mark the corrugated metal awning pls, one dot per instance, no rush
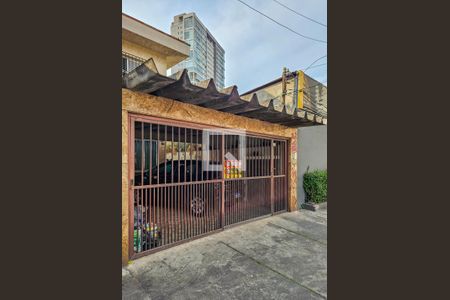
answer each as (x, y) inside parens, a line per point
(146, 79)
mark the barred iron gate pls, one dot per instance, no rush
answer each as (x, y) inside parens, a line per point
(189, 180)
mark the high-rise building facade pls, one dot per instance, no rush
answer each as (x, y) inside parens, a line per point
(206, 57)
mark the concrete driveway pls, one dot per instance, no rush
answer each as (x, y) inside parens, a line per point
(280, 257)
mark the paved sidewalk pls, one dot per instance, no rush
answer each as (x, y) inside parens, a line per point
(280, 257)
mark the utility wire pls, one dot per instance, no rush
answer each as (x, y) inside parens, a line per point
(314, 62)
(302, 15)
(304, 36)
(316, 66)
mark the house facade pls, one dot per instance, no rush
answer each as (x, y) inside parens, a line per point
(197, 158)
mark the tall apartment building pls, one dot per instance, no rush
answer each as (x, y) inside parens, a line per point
(206, 57)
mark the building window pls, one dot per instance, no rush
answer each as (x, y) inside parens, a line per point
(188, 22)
(130, 62)
(188, 35)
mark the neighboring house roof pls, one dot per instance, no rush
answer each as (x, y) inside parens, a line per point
(146, 79)
(147, 36)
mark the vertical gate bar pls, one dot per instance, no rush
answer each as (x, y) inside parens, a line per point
(165, 154)
(131, 191)
(259, 156)
(187, 213)
(171, 209)
(281, 157)
(141, 196)
(168, 210)
(157, 212)
(265, 157)
(208, 154)
(145, 217)
(242, 204)
(190, 155)
(190, 211)
(201, 155)
(174, 190)
(214, 157)
(201, 215)
(142, 153)
(285, 174)
(163, 214)
(157, 155)
(163, 219)
(271, 174)
(149, 215)
(217, 152)
(161, 208)
(237, 204)
(250, 156)
(179, 224)
(185, 154)
(253, 156)
(205, 213)
(233, 185)
(150, 156)
(222, 183)
(172, 163)
(198, 216)
(268, 158)
(214, 208)
(225, 140)
(194, 216)
(234, 202)
(169, 213)
(180, 212)
(261, 173)
(208, 202)
(196, 157)
(184, 201)
(210, 206)
(194, 195)
(178, 155)
(155, 223)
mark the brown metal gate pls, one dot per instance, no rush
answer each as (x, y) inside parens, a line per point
(189, 180)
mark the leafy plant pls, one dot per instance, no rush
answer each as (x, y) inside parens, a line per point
(315, 185)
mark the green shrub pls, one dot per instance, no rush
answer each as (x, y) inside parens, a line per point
(315, 186)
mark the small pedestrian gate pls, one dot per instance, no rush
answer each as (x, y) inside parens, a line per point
(189, 180)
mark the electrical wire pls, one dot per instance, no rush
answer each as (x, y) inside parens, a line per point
(304, 36)
(315, 62)
(302, 15)
(318, 65)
